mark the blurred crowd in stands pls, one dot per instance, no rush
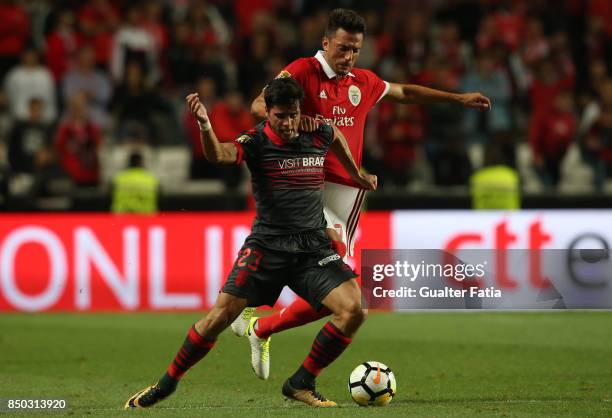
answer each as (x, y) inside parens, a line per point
(81, 77)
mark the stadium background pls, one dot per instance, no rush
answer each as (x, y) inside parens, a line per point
(544, 64)
(548, 66)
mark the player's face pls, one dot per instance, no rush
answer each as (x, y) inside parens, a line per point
(284, 120)
(342, 50)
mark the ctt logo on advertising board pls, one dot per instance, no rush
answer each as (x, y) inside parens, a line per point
(558, 255)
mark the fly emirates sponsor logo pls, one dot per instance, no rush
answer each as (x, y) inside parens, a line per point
(338, 118)
(302, 162)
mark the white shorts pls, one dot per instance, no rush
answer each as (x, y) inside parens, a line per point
(342, 207)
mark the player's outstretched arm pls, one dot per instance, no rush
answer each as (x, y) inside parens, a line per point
(258, 107)
(214, 151)
(415, 94)
(340, 147)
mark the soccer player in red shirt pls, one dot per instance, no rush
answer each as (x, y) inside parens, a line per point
(339, 93)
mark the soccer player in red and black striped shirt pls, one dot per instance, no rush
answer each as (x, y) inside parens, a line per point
(288, 245)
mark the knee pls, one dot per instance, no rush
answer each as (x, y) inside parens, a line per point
(353, 314)
(364, 314)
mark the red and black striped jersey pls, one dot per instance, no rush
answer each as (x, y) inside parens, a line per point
(287, 178)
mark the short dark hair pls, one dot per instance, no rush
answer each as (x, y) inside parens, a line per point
(283, 91)
(345, 19)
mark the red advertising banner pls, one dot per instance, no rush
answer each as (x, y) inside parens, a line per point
(84, 262)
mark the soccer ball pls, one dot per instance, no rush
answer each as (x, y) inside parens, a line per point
(372, 384)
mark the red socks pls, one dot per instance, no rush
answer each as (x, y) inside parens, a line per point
(294, 315)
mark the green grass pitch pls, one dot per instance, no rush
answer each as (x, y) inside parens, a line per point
(446, 364)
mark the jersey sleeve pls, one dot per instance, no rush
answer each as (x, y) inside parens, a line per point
(246, 147)
(377, 88)
(296, 70)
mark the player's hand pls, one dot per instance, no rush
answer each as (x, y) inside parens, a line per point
(475, 101)
(368, 181)
(197, 109)
(309, 124)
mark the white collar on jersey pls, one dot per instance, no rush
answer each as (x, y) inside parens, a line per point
(329, 72)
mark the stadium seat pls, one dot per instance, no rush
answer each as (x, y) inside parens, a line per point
(172, 166)
(114, 158)
(524, 164)
(576, 175)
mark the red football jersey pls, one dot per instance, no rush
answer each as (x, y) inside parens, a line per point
(343, 101)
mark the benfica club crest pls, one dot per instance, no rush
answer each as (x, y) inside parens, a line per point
(354, 95)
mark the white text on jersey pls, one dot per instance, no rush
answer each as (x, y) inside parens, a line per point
(338, 120)
(301, 162)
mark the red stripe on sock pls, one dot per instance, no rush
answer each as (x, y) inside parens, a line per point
(312, 366)
(326, 348)
(194, 348)
(174, 371)
(180, 362)
(337, 334)
(320, 354)
(200, 341)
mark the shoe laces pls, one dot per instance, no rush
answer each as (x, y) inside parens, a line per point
(319, 396)
(247, 313)
(313, 391)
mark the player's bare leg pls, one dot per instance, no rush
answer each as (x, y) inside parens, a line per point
(340, 247)
(200, 340)
(345, 303)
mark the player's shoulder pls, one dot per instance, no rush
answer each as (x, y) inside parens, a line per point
(300, 65)
(363, 75)
(251, 136)
(305, 61)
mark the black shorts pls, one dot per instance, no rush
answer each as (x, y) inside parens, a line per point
(259, 274)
